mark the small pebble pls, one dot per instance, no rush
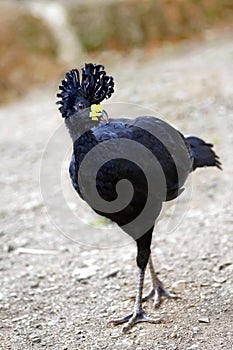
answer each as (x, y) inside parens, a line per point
(224, 265)
(203, 320)
(220, 280)
(192, 347)
(35, 284)
(195, 330)
(36, 340)
(84, 273)
(111, 274)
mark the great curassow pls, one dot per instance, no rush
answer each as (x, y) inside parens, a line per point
(126, 168)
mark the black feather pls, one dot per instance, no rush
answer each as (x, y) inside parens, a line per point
(203, 154)
(93, 88)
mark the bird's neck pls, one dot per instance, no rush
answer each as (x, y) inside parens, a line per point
(77, 126)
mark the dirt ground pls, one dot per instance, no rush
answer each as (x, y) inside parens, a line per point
(57, 292)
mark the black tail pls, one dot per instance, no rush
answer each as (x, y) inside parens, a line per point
(202, 153)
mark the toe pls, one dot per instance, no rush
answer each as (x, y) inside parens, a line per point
(157, 293)
(120, 320)
(167, 294)
(149, 296)
(137, 318)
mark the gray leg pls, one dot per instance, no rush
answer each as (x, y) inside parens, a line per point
(158, 289)
(138, 314)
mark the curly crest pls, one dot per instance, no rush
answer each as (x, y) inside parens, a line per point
(93, 88)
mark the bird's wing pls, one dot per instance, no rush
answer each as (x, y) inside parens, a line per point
(165, 143)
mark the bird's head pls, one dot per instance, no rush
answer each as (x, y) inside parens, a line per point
(81, 97)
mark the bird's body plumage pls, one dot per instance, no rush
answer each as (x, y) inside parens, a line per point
(163, 139)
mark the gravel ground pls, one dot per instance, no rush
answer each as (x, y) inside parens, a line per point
(59, 294)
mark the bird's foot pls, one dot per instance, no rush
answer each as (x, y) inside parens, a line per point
(132, 319)
(157, 292)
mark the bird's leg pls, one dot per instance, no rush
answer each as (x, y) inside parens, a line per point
(138, 314)
(158, 289)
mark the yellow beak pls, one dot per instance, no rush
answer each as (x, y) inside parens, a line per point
(96, 111)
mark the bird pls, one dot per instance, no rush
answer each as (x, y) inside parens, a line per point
(125, 169)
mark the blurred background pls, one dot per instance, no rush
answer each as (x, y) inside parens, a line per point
(40, 39)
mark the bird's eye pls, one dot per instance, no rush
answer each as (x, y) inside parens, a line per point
(81, 105)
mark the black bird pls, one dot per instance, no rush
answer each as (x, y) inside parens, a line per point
(125, 169)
